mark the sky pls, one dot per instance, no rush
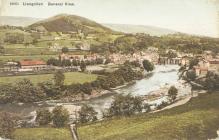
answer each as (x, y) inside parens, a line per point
(190, 16)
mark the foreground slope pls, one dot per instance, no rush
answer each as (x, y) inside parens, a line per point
(196, 120)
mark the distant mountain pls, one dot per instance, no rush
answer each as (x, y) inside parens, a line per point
(17, 21)
(70, 23)
(154, 31)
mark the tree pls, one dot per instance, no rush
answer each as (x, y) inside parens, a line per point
(193, 62)
(44, 117)
(171, 54)
(148, 66)
(26, 92)
(59, 78)
(65, 50)
(7, 124)
(60, 116)
(51, 90)
(87, 88)
(191, 75)
(54, 62)
(87, 114)
(211, 81)
(66, 63)
(172, 93)
(83, 66)
(126, 105)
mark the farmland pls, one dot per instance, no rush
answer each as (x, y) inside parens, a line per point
(70, 77)
(42, 134)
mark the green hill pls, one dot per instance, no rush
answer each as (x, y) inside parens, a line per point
(196, 120)
(70, 23)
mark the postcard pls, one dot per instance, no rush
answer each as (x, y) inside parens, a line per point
(109, 70)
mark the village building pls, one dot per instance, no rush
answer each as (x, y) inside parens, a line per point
(10, 67)
(214, 65)
(92, 57)
(32, 65)
(200, 71)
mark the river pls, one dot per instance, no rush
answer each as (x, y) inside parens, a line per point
(161, 78)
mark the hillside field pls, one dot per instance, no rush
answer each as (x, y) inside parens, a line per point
(196, 120)
(43, 134)
(70, 78)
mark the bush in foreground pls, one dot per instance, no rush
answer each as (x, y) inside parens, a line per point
(60, 116)
(87, 114)
(44, 117)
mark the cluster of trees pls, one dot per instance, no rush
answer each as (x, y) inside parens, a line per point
(130, 43)
(119, 77)
(212, 81)
(22, 91)
(59, 117)
(74, 62)
(7, 124)
(127, 106)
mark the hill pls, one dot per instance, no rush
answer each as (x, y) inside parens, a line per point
(196, 120)
(70, 23)
(154, 31)
(17, 21)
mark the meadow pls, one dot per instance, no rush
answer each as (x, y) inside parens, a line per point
(70, 78)
(43, 134)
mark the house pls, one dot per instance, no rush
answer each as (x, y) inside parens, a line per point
(32, 65)
(64, 56)
(200, 71)
(214, 64)
(202, 68)
(204, 63)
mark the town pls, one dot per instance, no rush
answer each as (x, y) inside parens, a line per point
(72, 75)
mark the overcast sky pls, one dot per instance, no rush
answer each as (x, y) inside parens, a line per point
(190, 16)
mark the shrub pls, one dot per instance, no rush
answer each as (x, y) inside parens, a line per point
(7, 124)
(87, 114)
(60, 116)
(172, 93)
(44, 117)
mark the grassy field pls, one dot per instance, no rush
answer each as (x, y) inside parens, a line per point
(34, 57)
(196, 120)
(42, 134)
(70, 77)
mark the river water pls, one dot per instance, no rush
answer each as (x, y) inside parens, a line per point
(163, 76)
